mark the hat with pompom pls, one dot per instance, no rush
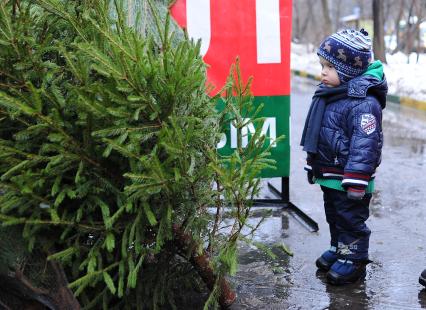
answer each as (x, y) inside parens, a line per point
(349, 51)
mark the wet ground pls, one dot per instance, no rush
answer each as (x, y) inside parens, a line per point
(397, 221)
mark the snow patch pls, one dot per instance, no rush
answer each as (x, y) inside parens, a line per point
(403, 79)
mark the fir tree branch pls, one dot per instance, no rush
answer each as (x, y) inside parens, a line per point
(11, 76)
(19, 192)
(9, 35)
(217, 215)
(17, 221)
(111, 39)
(16, 118)
(8, 86)
(255, 228)
(81, 152)
(85, 278)
(61, 13)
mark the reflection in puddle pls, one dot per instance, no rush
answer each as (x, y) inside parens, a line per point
(422, 298)
(294, 283)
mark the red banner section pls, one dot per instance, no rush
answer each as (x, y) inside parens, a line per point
(257, 31)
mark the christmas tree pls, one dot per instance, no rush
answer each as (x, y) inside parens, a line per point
(108, 163)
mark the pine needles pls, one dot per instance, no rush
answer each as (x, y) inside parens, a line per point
(107, 142)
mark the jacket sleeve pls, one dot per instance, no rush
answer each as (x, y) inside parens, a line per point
(365, 132)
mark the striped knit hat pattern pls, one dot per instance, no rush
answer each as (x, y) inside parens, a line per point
(349, 51)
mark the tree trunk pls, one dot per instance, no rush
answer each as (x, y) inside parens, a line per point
(201, 263)
(326, 15)
(420, 11)
(29, 280)
(409, 35)
(19, 292)
(397, 29)
(296, 22)
(309, 18)
(379, 25)
(338, 7)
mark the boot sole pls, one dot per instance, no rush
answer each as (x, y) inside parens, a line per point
(322, 264)
(422, 281)
(336, 279)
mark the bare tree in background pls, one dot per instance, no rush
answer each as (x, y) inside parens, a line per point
(409, 31)
(397, 20)
(301, 13)
(421, 17)
(415, 17)
(379, 31)
(296, 22)
(400, 21)
(305, 28)
(327, 26)
(336, 6)
(309, 18)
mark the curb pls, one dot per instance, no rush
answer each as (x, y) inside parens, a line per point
(402, 100)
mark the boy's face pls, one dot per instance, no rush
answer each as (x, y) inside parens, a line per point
(329, 76)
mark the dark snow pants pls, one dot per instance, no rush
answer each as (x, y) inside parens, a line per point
(346, 219)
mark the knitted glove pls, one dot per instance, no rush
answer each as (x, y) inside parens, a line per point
(355, 193)
(310, 176)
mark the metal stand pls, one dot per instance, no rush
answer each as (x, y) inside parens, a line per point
(283, 200)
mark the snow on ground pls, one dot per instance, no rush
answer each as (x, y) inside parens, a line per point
(403, 79)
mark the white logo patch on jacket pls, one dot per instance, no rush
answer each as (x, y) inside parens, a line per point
(368, 123)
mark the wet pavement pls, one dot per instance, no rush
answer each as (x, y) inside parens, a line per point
(397, 221)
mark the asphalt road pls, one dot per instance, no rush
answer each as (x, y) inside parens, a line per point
(397, 221)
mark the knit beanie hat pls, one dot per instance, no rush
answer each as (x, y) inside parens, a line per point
(349, 51)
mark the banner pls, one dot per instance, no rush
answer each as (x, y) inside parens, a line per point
(259, 33)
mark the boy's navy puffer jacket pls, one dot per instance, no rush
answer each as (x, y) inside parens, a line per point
(351, 138)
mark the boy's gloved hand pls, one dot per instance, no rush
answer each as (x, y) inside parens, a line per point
(355, 193)
(310, 175)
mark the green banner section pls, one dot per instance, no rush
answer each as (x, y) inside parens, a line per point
(276, 110)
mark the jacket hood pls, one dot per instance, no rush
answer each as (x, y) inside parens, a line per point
(364, 85)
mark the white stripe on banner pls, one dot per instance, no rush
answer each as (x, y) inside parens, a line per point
(268, 31)
(198, 22)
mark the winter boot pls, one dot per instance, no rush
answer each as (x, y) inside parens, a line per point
(422, 279)
(345, 271)
(327, 259)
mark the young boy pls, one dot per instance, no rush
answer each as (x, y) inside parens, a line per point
(343, 140)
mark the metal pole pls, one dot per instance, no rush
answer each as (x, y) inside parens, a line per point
(284, 201)
(285, 189)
